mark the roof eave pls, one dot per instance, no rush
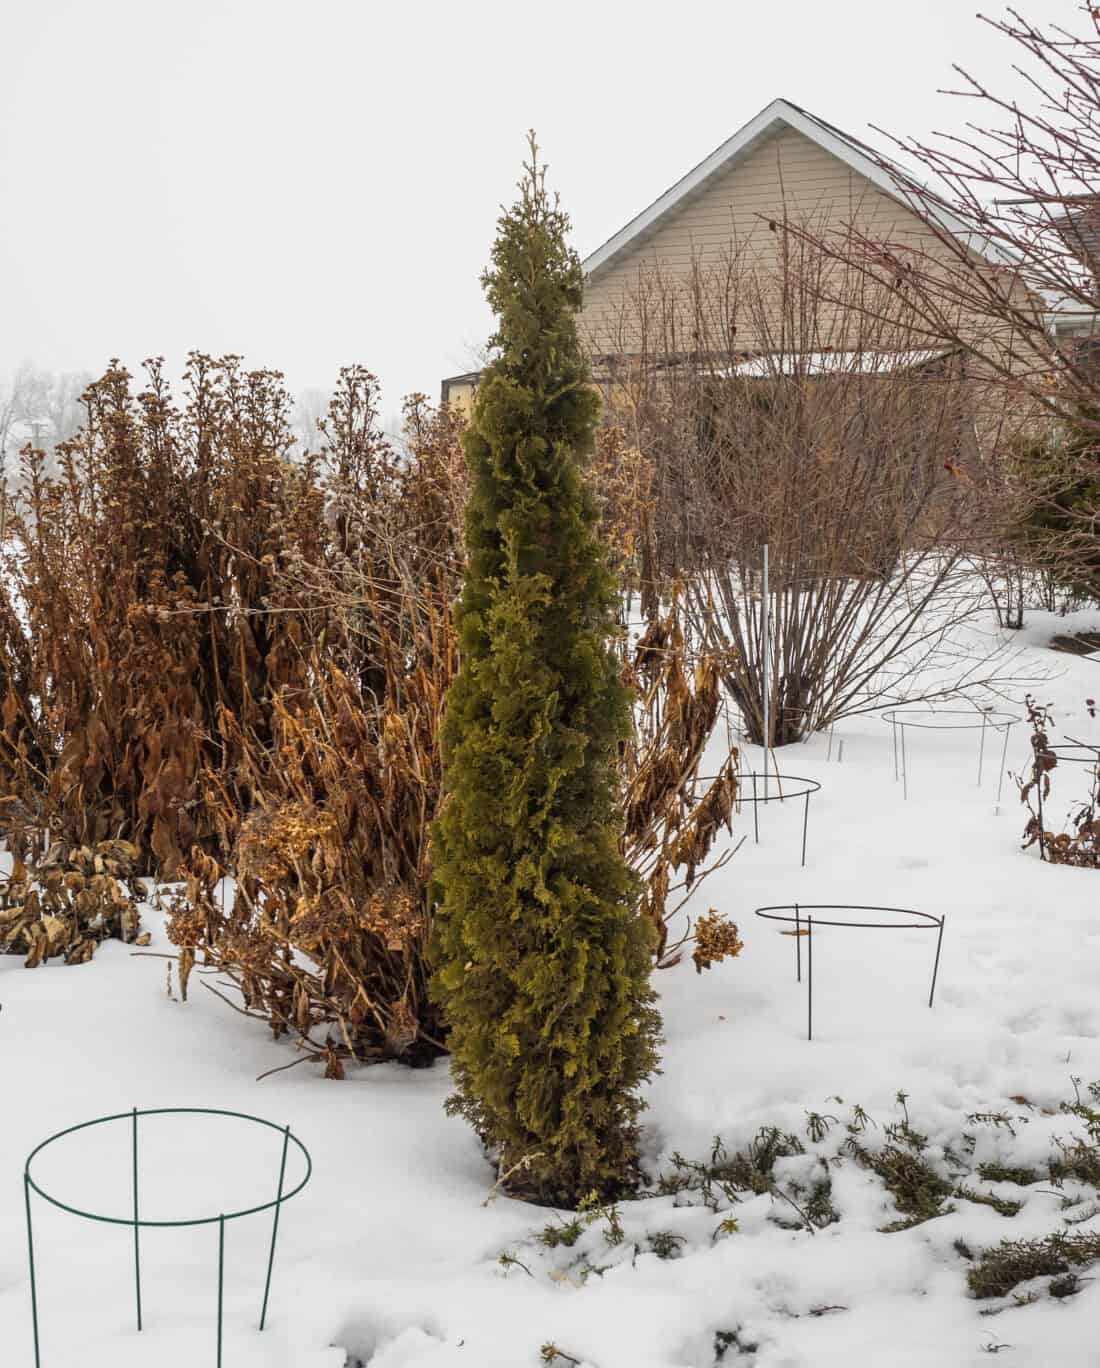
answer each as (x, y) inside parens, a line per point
(779, 114)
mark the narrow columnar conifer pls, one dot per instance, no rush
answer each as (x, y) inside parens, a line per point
(542, 961)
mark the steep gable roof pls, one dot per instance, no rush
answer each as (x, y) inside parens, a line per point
(772, 119)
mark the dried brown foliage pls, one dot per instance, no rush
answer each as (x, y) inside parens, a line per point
(325, 931)
(69, 901)
(1080, 845)
(716, 938)
(625, 483)
(132, 604)
(234, 658)
(673, 814)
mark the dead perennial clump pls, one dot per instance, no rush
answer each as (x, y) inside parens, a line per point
(223, 662)
(69, 901)
(1080, 844)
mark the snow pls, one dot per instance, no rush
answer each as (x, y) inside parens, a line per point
(768, 364)
(391, 1255)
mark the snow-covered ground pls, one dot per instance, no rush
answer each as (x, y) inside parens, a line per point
(391, 1255)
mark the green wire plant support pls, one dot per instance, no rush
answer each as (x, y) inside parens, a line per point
(137, 1222)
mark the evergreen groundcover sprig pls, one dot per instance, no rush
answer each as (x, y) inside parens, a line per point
(542, 960)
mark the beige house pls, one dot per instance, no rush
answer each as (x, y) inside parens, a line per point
(785, 164)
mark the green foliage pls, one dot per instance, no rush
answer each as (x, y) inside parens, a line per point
(1057, 531)
(1079, 1158)
(1068, 1285)
(565, 1233)
(507, 1259)
(747, 1170)
(751, 1170)
(999, 1270)
(1004, 1206)
(666, 1245)
(816, 1200)
(994, 1172)
(542, 961)
(1075, 1159)
(594, 1210)
(917, 1189)
(817, 1126)
(994, 1119)
(860, 1121)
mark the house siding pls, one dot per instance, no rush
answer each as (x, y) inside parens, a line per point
(458, 391)
(787, 175)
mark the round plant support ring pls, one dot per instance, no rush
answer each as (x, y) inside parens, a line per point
(1076, 752)
(774, 788)
(1069, 753)
(802, 917)
(138, 1222)
(949, 719)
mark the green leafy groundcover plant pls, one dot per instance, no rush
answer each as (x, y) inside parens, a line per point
(542, 960)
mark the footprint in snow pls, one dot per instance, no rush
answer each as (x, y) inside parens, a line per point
(1079, 1021)
(1021, 1023)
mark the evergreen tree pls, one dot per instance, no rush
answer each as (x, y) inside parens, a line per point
(542, 961)
(1060, 529)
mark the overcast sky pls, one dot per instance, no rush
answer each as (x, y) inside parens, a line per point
(315, 182)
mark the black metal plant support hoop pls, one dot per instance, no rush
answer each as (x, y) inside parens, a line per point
(1070, 753)
(769, 788)
(801, 917)
(948, 719)
(138, 1222)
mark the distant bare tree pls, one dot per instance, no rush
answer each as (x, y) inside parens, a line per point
(7, 459)
(1012, 212)
(64, 411)
(41, 407)
(781, 410)
(1008, 272)
(310, 408)
(7, 415)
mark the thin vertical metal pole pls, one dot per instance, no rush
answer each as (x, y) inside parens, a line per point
(30, 1251)
(797, 945)
(221, 1280)
(936, 966)
(756, 811)
(1004, 762)
(894, 729)
(805, 824)
(904, 766)
(1042, 824)
(137, 1229)
(981, 751)
(810, 978)
(766, 662)
(275, 1226)
(829, 753)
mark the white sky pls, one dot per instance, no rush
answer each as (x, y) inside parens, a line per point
(315, 182)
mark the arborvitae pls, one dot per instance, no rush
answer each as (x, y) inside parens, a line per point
(1062, 470)
(542, 961)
